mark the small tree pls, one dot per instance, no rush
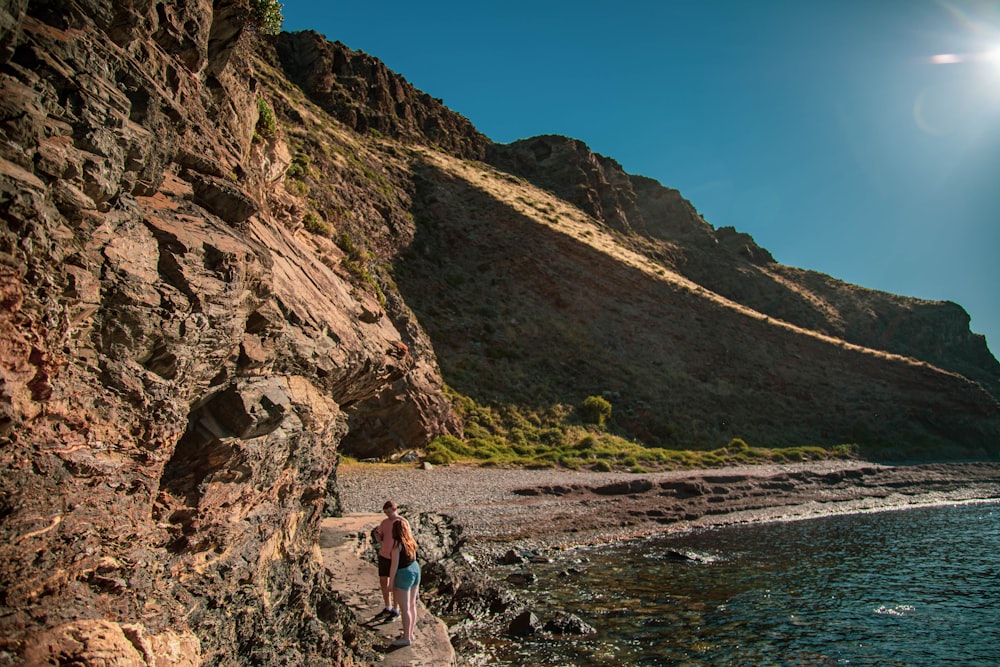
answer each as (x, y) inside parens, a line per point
(266, 17)
(595, 410)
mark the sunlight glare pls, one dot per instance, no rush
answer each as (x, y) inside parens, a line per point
(953, 58)
(946, 59)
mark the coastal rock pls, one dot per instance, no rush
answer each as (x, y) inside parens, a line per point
(223, 199)
(524, 624)
(459, 589)
(512, 558)
(175, 388)
(568, 624)
(522, 578)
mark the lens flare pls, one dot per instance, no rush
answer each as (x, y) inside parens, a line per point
(978, 57)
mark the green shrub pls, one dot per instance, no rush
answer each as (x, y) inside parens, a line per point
(553, 437)
(542, 437)
(346, 243)
(846, 451)
(316, 225)
(595, 410)
(267, 125)
(296, 187)
(438, 454)
(737, 445)
(299, 167)
(452, 444)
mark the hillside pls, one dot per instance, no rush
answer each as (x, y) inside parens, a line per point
(543, 273)
(226, 259)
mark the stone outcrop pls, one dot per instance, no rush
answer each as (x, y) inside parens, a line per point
(599, 186)
(199, 312)
(361, 92)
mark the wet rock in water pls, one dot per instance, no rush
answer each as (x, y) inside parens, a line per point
(522, 578)
(568, 624)
(685, 556)
(461, 590)
(525, 624)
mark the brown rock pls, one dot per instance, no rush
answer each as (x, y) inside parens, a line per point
(223, 199)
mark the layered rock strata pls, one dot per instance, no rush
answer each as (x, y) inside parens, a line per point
(176, 363)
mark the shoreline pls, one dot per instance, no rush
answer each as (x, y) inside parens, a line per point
(497, 509)
(494, 511)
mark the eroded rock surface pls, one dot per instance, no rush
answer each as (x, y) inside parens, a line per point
(175, 362)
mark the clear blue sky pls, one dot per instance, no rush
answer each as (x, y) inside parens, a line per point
(826, 129)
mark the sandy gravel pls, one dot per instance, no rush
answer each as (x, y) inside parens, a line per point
(558, 508)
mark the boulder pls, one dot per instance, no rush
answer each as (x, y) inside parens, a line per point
(568, 624)
(524, 624)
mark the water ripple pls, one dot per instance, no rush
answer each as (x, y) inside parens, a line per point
(914, 588)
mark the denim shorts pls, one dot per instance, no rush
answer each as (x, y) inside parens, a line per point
(407, 577)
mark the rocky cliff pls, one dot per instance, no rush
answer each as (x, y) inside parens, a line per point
(177, 364)
(224, 259)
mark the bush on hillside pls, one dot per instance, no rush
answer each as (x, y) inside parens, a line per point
(267, 125)
(595, 410)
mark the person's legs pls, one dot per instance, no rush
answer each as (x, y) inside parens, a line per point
(383, 583)
(411, 612)
(384, 567)
(404, 612)
(405, 588)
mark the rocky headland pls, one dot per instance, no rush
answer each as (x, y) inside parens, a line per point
(227, 258)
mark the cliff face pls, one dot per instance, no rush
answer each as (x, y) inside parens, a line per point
(199, 311)
(176, 363)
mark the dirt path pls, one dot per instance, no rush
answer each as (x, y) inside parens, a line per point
(343, 541)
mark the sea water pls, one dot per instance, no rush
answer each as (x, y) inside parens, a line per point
(915, 587)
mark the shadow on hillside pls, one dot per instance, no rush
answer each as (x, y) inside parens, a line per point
(519, 312)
